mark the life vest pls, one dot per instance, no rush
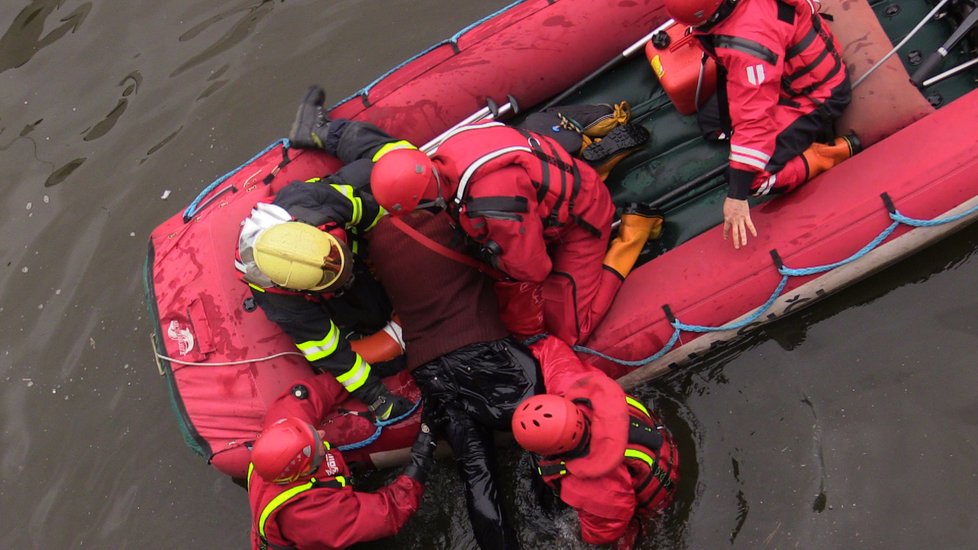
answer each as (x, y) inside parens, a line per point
(274, 497)
(811, 61)
(480, 149)
(650, 456)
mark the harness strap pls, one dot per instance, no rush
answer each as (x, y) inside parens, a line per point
(565, 168)
(518, 205)
(555, 469)
(744, 45)
(643, 433)
(282, 164)
(443, 250)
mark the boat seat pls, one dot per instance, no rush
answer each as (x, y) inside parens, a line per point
(886, 101)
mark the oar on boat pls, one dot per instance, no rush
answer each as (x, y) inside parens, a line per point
(491, 111)
(935, 59)
(625, 54)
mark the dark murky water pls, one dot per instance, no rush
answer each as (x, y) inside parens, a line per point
(853, 424)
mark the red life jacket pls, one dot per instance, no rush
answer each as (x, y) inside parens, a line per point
(651, 457)
(267, 499)
(562, 188)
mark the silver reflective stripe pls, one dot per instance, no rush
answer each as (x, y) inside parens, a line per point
(765, 188)
(467, 175)
(748, 156)
(431, 149)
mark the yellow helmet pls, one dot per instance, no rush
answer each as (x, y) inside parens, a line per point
(298, 256)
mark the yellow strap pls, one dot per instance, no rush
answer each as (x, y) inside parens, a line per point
(638, 405)
(634, 453)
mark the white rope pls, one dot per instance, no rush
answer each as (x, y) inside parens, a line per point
(226, 363)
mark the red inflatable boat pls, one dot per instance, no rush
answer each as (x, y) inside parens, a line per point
(916, 181)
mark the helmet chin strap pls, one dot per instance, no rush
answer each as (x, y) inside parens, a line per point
(438, 203)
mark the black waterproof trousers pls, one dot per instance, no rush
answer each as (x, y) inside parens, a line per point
(478, 387)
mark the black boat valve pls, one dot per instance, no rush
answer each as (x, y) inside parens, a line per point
(661, 40)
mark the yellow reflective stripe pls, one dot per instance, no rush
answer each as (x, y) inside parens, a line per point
(251, 468)
(356, 376)
(317, 349)
(635, 403)
(355, 202)
(284, 497)
(388, 147)
(380, 214)
(633, 453)
(278, 501)
(313, 180)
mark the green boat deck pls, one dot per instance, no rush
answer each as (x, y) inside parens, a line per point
(677, 154)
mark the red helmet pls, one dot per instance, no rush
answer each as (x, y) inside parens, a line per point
(401, 179)
(692, 13)
(548, 425)
(287, 450)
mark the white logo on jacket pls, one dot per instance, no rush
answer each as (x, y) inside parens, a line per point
(331, 468)
(183, 337)
(755, 74)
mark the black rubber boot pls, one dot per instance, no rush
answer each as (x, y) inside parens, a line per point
(623, 138)
(311, 123)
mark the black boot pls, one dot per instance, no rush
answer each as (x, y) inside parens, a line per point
(311, 123)
(623, 138)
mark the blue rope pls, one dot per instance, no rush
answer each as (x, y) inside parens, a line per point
(930, 223)
(785, 272)
(379, 424)
(637, 363)
(734, 326)
(859, 254)
(191, 210)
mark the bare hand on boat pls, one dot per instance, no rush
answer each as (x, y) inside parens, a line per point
(736, 216)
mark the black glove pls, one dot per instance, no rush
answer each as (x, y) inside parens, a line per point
(433, 415)
(311, 124)
(389, 405)
(422, 455)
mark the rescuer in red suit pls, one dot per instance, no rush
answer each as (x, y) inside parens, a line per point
(299, 488)
(534, 212)
(604, 453)
(781, 85)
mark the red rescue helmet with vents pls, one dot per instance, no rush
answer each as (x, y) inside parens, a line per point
(287, 450)
(401, 179)
(548, 425)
